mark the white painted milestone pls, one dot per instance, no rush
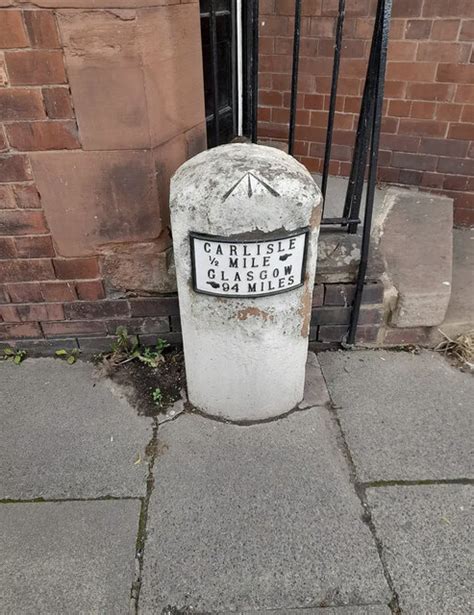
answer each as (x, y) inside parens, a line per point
(245, 224)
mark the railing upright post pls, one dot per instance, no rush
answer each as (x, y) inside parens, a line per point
(215, 69)
(294, 77)
(255, 24)
(384, 27)
(332, 102)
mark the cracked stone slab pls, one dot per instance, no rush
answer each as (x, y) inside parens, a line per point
(366, 609)
(68, 557)
(404, 416)
(260, 517)
(65, 434)
(427, 536)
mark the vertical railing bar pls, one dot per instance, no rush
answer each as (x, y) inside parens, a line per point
(374, 154)
(357, 175)
(294, 77)
(255, 18)
(333, 98)
(215, 68)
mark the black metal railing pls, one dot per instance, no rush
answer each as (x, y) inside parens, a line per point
(366, 147)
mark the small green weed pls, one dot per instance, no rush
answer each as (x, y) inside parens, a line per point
(127, 348)
(70, 356)
(157, 396)
(14, 355)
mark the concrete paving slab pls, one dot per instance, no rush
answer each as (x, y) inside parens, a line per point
(65, 434)
(260, 517)
(67, 557)
(405, 416)
(427, 537)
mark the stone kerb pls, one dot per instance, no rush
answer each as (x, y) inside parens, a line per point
(246, 347)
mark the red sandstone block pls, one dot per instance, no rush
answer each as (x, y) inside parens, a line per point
(400, 143)
(418, 29)
(25, 270)
(91, 290)
(330, 316)
(287, 7)
(386, 174)
(58, 291)
(12, 30)
(134, 326)
(31, 136)
(355, 7)
(27, 196)
(412, 178)
(20, 331)
(455, 73)
(395, 89)
(76, 268)
(41, 27)
(20, 104)
(34, 247)
(7, 197)
(275, 26)
(22, 222)
(96, 310)
(322, 27)
(343, 294)
(58, 103)
(65, 328)
(14, 168)
(4, 298)
(41, 311)
(35, 67)
(24, 293)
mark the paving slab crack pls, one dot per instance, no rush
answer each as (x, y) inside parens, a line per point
(151, 452)
(416, 483)
(360, 490)
(249, 423)
(40, 500)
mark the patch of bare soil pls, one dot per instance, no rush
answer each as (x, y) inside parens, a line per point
(139, 381)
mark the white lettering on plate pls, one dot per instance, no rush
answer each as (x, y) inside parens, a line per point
(248, 268)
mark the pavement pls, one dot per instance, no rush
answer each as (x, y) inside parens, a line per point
(357, 503)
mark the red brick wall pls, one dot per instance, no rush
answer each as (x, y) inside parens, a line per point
(84, 169)
(428, 124)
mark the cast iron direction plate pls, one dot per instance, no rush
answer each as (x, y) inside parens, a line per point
(226, 267)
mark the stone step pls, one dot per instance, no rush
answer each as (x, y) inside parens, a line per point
(416, 244)
(460, 315)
